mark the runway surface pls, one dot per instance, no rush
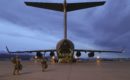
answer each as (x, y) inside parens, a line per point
(78, 71)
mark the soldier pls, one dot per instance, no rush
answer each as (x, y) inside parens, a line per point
(44, 64)
(17, 65)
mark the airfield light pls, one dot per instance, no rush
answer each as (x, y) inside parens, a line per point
(35, 57)
(98, 57)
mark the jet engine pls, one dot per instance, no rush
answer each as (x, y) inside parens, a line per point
(52, 53)
(78, 54)
(39, 54)
(91, 54)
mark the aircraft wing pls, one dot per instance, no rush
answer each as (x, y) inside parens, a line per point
(60, 7)
(108, 51)
(30, 51)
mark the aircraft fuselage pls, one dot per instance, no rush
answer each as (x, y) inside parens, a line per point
(65, 47)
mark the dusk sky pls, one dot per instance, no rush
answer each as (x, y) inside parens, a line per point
(27, 28)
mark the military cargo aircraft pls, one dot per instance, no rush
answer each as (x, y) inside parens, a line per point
(65, 47)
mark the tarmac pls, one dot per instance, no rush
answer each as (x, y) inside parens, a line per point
(109, 70)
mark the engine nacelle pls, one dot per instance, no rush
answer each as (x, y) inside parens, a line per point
(52, 54)
(78, 54)
(39, 54)
(91, 54)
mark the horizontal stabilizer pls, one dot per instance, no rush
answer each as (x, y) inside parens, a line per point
(52, 6)
(69, 6)
(77, 6)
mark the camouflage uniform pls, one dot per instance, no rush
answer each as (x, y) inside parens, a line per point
(44, 64)
(17, 65)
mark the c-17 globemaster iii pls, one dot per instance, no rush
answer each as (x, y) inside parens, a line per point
(65, 47)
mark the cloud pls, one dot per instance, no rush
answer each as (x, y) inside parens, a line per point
(16, 37)
(105, 27)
